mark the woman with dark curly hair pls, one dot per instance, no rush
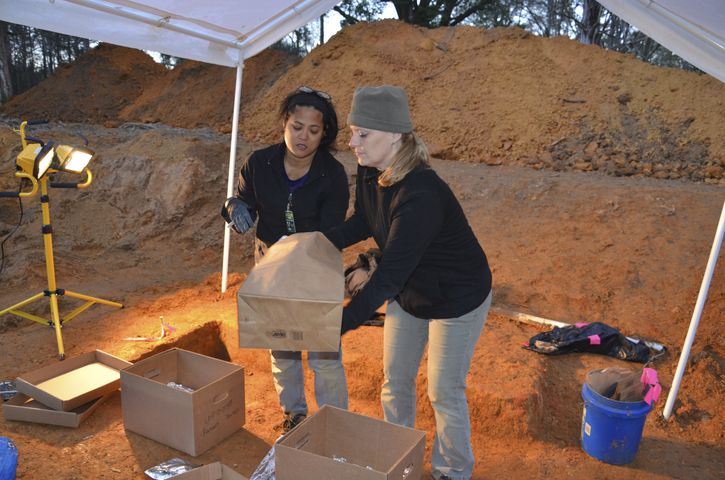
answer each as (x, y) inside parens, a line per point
(296, 186)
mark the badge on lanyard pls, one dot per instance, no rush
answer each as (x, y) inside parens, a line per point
(289, 217)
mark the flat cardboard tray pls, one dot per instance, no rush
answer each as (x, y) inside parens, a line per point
(22, 408)
(73, 382)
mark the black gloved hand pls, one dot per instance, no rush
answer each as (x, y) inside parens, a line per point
(238, 214)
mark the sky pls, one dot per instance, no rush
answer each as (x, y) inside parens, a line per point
(332, 20)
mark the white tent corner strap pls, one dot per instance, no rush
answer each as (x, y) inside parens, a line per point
(692, 29)
(221, 32)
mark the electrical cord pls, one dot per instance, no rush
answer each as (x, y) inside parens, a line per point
(10, 234)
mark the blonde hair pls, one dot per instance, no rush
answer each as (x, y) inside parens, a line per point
(411, 154)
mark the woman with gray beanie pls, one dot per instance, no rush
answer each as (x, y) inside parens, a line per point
(433, 273)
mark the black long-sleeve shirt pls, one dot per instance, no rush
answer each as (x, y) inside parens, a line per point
(432, 263)
(318, 205)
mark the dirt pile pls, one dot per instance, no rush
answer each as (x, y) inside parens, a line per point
(506, 96)
(196, 94)
(153, 187)
(93, 89)
(500, 96)
(112, 85)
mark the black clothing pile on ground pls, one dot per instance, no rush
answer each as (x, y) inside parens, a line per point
(593, 337)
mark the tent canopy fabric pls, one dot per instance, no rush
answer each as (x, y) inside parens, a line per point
(221, 32)
(225, 32)
(693, 29)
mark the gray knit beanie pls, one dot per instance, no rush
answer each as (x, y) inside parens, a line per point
(382, 108)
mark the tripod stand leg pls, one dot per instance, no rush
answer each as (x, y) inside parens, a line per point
(55, 316)
(88, 298)
(20, 305)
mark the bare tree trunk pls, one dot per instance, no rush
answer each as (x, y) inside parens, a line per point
(589, 33)
(322, 29)
(6, 85)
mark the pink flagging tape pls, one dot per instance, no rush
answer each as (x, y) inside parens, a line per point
(651, 383)
(595, 340)
(653, 394)
(581, 324)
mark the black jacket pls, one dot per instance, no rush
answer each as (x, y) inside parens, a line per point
(319, 204)
(432, 264)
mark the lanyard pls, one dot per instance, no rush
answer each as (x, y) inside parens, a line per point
(289, 216)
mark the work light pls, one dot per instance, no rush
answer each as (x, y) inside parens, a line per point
(35, 159)
(73, 159)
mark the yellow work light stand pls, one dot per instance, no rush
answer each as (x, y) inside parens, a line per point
(53, 292)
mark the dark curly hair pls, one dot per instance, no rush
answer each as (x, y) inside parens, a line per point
(322, 105)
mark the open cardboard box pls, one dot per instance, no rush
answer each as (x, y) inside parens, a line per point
(212, 471)
(193, 421)
(25, 409)
(73, 382)
(336, 443)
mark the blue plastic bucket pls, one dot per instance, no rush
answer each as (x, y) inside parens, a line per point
(611, 430)
(8, 459)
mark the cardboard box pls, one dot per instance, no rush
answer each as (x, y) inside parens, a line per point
(73, 382)
(365, 449)
(212, 471)
(191, 422)
(22, 408)
(292, 299)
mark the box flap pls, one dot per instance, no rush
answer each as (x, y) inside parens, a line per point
(212, 471)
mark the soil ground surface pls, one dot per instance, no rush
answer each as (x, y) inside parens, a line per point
(594, 183)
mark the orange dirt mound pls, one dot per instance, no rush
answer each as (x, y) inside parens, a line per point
(500, 96)
(506, 96)
(111, 85)
(93, 89)
(197, 94)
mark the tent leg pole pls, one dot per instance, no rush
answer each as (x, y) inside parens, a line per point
(232, 168)
(694, 322)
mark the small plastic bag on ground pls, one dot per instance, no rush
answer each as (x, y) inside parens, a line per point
(265, 470)
(170, 469)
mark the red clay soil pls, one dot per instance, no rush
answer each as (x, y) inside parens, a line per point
(93, 89)
(506, 96)
(112, 84)
(196, 94)
(564, 242)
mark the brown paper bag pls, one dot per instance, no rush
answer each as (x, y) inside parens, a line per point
(292, 299)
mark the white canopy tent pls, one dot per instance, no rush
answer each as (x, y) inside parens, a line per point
(226, 32)
(693, 29)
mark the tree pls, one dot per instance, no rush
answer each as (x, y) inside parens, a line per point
(589, 27)
(353, 11)
(6, 86)
(439, 13)
(29, 55)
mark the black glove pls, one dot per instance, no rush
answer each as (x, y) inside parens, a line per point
(238, 214)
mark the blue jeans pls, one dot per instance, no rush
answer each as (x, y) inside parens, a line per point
(450, 348)
(330, 383)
